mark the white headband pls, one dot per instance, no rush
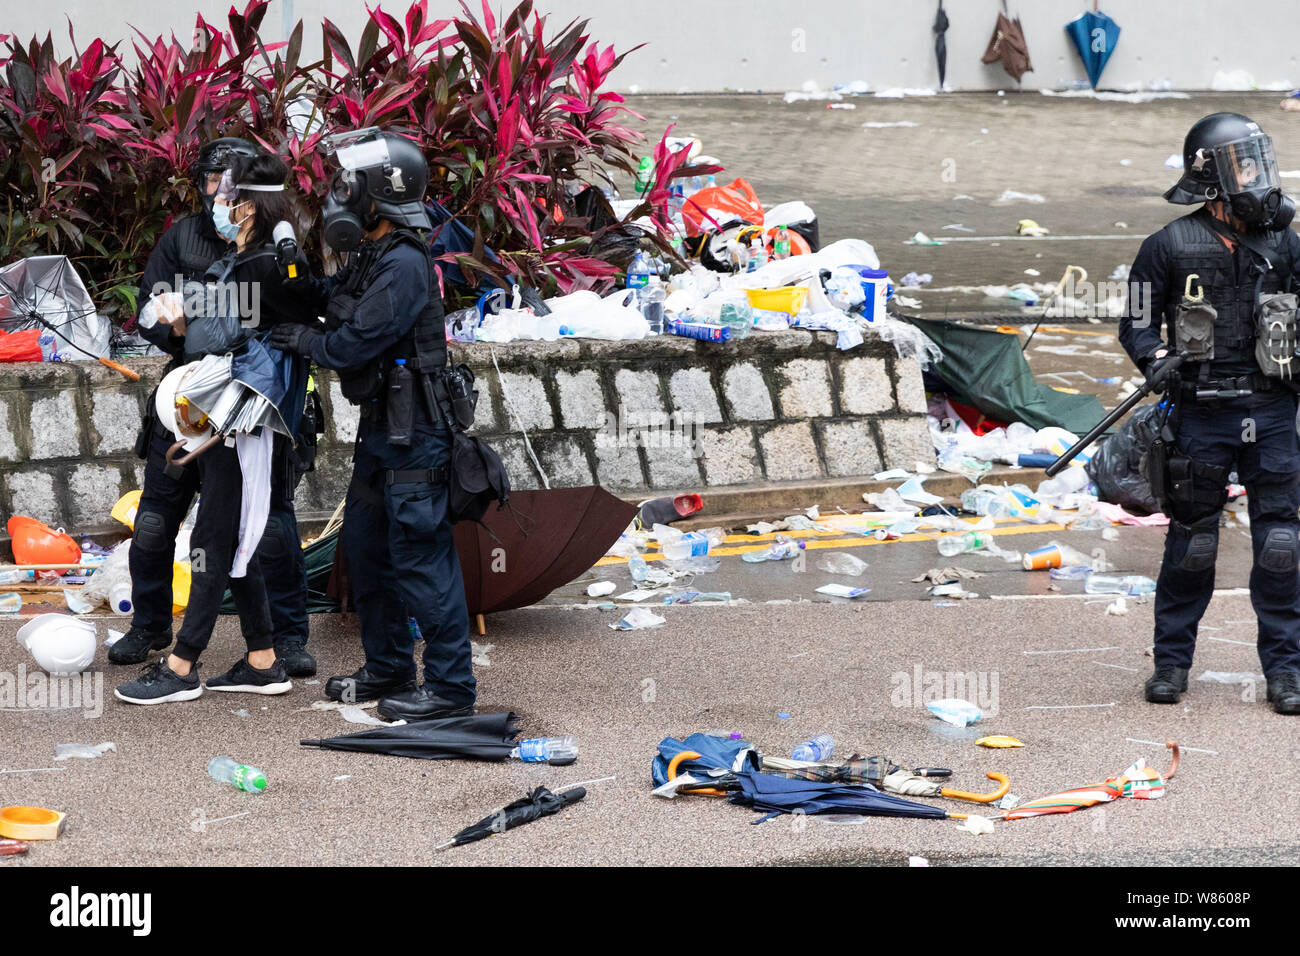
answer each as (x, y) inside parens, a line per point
(254, 188)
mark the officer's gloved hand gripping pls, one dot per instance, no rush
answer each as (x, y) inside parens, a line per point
(295, 338)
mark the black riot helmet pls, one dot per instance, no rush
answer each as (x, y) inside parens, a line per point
(382, 176)
(216, 156)
(1227, 156)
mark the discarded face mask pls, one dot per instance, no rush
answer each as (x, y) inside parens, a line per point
(85, 751)
(950, 710)
(976, 825)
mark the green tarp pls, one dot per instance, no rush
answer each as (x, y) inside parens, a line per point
(987, 370)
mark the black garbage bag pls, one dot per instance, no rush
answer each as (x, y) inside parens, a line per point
(1119, 464)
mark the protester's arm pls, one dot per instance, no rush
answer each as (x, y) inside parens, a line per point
(1140, 328)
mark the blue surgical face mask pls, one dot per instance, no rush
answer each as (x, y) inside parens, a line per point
(221, 220)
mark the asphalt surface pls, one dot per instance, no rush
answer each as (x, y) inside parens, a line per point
(851, 671)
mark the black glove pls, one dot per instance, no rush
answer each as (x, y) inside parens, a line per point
(1157, 373)
(295, 338)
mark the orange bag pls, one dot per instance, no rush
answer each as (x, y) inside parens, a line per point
(21, 346)
(716, 207)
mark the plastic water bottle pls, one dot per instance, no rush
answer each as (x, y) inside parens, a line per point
(781, 247)
(11, 602)
(1130, 584)
(694, 544)
(639, 272)
(782, 548)
(551, 749)
(119, 598)
(651, 302)
(239, 775)
(16, 576)
(955, 544)
(816, 750)
(737, 315)
(636, 567)
(49, 347)
(757, 255)
(645, 174)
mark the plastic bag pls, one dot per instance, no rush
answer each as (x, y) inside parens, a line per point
(1117, 465)
(21, 346)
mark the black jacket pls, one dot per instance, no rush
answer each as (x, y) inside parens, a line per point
(186, 250)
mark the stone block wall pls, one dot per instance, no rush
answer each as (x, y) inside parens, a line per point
(663, 414)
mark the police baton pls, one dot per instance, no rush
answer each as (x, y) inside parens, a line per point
(1167, 369)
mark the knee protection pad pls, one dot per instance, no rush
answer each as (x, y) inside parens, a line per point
(151, 533)
(1202, 544)
(1281, 550)
(272, 544)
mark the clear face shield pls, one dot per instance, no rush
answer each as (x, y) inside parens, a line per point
(347, 213)
(1248, 165)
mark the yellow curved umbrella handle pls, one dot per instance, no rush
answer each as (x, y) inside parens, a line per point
(676, 762)
(997, 794)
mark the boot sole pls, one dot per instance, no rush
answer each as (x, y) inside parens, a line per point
(177, 697)
(280, 687)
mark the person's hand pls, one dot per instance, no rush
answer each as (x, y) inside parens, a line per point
(171, 311)
(1157, 370)
(294, 338)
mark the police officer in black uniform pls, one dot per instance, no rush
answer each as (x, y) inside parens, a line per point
(385, 335)
(1212, 286)
(182, 255)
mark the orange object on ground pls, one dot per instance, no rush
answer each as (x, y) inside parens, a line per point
(714, 207)
(38, 543)
(21, 346)
(31, 823)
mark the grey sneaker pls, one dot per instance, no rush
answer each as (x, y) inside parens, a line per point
(247, 679)
(159, 684)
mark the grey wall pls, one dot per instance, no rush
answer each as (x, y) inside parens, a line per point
(778, 45)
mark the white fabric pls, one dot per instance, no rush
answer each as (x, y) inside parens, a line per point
(255, 504)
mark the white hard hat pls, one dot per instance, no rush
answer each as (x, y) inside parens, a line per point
(183, 419)
(61, 644)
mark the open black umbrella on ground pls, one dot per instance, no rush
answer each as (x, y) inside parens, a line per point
(532, 806)
(479, 737)
(773, 794)
(940, 28)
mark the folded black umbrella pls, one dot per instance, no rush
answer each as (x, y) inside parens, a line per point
(480, 737)
(532, 806)
(773, 794)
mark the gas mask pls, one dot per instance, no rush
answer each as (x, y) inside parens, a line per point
(348, 213)
(1250, 184)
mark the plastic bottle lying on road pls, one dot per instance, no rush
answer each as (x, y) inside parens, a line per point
(556, 750)
(964, 543)
(781, 549)
(816, 750)
(841, 563)
(1130, 584)
(693, 544)
(636, 567)
(239, 775)
(16, 576)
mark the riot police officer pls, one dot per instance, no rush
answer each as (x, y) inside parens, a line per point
(385, 335)
(1213, 286)
(184, 254)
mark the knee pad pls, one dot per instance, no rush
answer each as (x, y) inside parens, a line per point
(272, 544)
(150, 532)
(1281, 550)
(1202, 544)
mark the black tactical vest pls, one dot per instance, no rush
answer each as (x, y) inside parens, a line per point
(424, 347)
(197, 248)
(1229, 280)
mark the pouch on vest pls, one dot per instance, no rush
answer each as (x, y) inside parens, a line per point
(1194, 320)
(1275, 333)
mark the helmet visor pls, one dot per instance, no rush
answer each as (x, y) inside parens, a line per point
(1248, 165)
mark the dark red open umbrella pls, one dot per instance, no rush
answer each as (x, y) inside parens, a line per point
(539, 542)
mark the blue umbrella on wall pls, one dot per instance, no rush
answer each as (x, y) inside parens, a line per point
(1094, 35)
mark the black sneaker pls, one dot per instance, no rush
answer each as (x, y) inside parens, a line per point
(136, 645)
(297, 662)
(363, 685)
(247, 679)
(1166, 685)
(1284, 692)
(159, 684)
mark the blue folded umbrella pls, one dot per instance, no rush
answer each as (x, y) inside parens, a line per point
(773, 794)
(1094, 35)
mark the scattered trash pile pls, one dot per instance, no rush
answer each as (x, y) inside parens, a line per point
(811, 782)
(750, 269)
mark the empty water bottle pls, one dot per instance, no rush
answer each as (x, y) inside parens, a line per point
(639, 272)
(16, 576)
(841, 563)
(815, 750)
(636, 567)
(651, 302)
(556, 750)
(119, 598)
(11, 603)
(781, 549)
(955, 544)
(239, 775)
(695, 544)
(1130, 584)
